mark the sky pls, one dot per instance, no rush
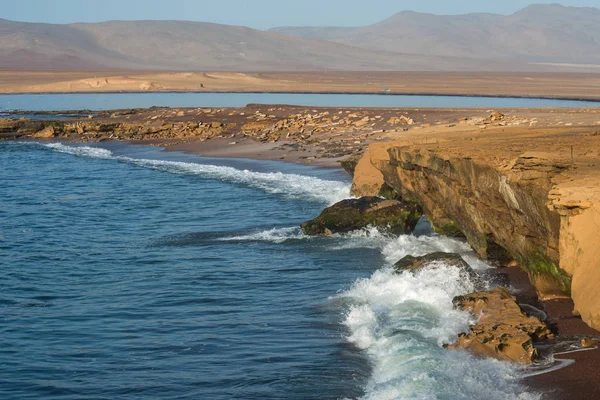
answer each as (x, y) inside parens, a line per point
(258, 14)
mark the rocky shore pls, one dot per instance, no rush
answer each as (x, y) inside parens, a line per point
(521, 186)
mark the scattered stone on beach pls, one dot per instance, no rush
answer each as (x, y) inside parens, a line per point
(392, 216)
(45, 133)
(414, 264)
(503, 331)
(403, 119)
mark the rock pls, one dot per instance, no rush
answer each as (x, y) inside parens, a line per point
(496, 116)
(503, 330)
(349, 164)
(401, 120)
(353, 214)
(367, 179)
(587, 342)
(45, 133)
(414, 264)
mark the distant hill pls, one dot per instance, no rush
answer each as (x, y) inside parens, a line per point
(546, 33)
(181, 45)
(537, 38)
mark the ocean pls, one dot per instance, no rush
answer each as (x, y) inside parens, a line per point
(129, 272)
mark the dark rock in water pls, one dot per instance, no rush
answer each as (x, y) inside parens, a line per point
(413, 264)
(393, 216)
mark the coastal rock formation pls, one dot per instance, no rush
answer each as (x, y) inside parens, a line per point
(353, 214)
(367, 178)
(503, 330)
(528, 208)
(45, 133)
(410, 263)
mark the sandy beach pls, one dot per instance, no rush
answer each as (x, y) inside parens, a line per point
(583, 86)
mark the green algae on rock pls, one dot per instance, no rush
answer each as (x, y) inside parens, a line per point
(393, 216)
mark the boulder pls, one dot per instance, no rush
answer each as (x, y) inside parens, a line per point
(45, 133)
(503, 331)
(392, 216)
(414, 264)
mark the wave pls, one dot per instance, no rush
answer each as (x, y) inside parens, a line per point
(275, 235)
(400, 322)
(289, 185)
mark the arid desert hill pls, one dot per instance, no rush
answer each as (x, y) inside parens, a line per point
(538, 38)
(540, 33)
(184, 45)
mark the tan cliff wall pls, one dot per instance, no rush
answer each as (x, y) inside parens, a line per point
(518, 211)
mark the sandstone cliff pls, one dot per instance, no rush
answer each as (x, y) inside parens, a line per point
(539, 208)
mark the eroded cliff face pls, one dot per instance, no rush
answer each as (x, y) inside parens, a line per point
(519, 210)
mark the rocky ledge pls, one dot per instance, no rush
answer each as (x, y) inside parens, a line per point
(502, 330)
(536, 209)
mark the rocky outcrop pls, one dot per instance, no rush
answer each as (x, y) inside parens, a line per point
(502, 330)
(367, 178)
(45, 133)
(354, 214)
(413, 264)
(526, 210)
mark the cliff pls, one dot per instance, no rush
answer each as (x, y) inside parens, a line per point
(530, 197)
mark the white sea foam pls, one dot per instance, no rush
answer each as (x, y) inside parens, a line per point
(401, 322)
(81, 151)
(275, 235)
(291, 185)
(394, 248)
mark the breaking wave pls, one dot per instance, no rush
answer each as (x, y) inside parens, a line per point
(290, 185)
(401, 321)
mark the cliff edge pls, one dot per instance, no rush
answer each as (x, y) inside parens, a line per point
(519, 195)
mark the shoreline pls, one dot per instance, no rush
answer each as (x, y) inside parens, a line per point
(433, 129)
(591, 99)
(576, 86)
(566, 382)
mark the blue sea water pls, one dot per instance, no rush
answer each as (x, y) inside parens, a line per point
(110, 101)
(128, 273)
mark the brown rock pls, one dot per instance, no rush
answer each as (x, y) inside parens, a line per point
(45, 133)
(587, 342)
(368, 180)
(503, 330)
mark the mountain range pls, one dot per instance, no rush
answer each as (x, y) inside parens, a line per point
(537, 38)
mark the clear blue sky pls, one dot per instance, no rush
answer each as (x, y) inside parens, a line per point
(259, 14)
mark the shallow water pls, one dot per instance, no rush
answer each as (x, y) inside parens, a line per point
(129, 272)
(108, 101)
